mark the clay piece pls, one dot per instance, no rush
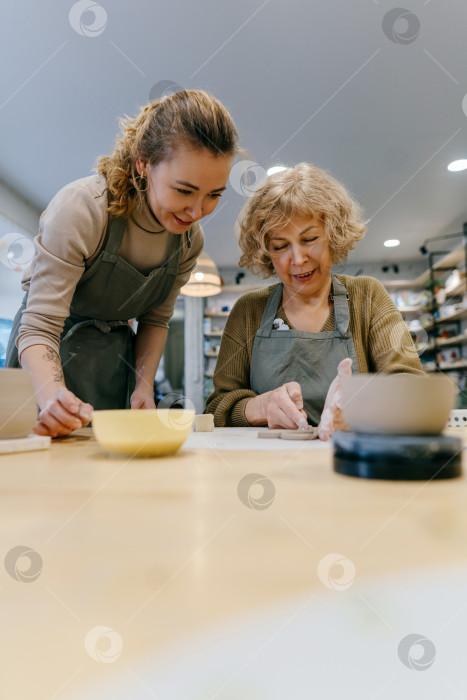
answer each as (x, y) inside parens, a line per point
(27, 444)
(204, 423)
(269, 434)
(299, 434)
(280, 433)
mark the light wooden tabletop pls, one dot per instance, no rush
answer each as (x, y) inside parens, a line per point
(157, 550)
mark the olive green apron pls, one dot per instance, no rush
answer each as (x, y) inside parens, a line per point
(97, 342)
(311, 359)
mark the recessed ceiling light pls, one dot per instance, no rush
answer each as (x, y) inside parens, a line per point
(457, 165)
(275, 169)
(392, 243)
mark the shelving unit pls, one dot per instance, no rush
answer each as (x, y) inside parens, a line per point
(212, 335)
(442, 316)
(446, 347)
(216, 311)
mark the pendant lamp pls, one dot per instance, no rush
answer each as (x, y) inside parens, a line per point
(205, 280)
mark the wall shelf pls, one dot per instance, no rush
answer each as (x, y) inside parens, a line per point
(446, 366)
(447, 342)
(460, 315)
(402, 284)
(458, 290)
(449, 261)
(412, 309)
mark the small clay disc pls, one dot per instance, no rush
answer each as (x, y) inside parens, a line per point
(299, 434)
(269, 434)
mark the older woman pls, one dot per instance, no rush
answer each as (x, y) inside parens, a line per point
(284, 347)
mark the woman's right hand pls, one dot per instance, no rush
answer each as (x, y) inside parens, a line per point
(280, 408)
(332, 418)
(62, 414)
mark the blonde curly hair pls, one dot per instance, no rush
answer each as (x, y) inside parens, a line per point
(188, 117)
(303, 191)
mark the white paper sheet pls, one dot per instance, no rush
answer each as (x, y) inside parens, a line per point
(247, 439)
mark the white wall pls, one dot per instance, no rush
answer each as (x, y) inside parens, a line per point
(11, 293)
(18, 211)
(17, 217)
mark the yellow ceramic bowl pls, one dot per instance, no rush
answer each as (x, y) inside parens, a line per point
(142, 433)
(397, 404)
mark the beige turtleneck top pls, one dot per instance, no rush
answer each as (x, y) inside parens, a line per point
(71, 234)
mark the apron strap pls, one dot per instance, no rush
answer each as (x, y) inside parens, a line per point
(74, 323)
(340, 298)
(173, 254)
(270, 311)
(115, 237)
(117, 229)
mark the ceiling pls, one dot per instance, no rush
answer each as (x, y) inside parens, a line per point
(373, 94)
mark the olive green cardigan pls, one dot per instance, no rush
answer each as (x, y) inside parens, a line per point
(381, 338)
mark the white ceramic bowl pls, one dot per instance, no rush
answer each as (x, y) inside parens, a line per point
(142, 433)
(398, 404)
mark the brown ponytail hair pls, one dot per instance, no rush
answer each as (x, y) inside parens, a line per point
(189, 117)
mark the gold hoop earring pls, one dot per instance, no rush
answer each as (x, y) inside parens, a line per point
(140, 189)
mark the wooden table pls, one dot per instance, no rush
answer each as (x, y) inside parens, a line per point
(161, 549)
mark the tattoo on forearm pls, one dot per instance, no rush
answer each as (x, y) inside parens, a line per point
(51, 356)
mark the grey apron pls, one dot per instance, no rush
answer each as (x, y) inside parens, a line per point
(311, 359)
(97, 342)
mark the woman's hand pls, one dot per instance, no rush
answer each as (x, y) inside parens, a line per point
(142, 398)
(331, 417)
(63, 414)
(150, 342)
(280, 408)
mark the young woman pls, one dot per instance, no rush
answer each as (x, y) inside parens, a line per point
(285, 347)
(115, 246)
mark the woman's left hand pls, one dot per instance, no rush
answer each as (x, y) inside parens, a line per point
(142, 398)
(331, 417)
